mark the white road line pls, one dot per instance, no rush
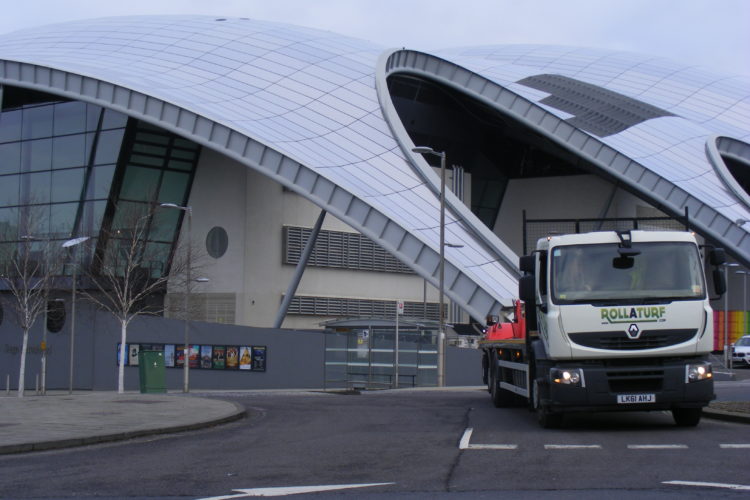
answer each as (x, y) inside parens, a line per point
(493, 446)
(291, 490)
(657, 446)
(572, 447)
(735, 446)
(710, 485)
(465, 444)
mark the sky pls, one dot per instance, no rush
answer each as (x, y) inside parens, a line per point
(710, 33)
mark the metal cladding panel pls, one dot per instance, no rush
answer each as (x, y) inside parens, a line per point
(667, 112)
(303, 107)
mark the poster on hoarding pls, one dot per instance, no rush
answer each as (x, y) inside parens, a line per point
(169, 357)
(219, 357)
(259, 358)
(233, 357)
(195, 355)
(133, 354)
(206, 356)
(246, 359)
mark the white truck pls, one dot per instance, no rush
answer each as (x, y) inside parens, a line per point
(613, 321)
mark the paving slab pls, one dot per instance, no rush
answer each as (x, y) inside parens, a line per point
(58, 420)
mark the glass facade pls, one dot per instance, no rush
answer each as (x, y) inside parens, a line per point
(68, 169)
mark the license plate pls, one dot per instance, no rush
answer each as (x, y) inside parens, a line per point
(625, 399)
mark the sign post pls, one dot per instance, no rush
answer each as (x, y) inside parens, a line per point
(399, 312)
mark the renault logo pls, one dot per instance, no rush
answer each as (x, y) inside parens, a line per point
(633, 331)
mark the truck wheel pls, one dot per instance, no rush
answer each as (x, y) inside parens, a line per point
(500, 397)
(549, 420)
(687, 417)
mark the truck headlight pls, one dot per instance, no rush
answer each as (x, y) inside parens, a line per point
(567, 376)
(695, 372)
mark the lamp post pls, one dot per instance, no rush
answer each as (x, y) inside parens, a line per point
(726, 311)
(73, 244)
(744, 303)
(186, 365)
(441, 328)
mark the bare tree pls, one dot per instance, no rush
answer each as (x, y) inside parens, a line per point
(123, 274)
(27, 271)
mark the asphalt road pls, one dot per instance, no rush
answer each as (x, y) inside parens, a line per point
(409, 444)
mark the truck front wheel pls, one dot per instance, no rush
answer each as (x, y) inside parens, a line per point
(547, 419)
(687, 417)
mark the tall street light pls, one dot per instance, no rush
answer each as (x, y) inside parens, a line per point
(186, 365)
(727, 265)
(744, 303)
(441, 329)
(74, 245)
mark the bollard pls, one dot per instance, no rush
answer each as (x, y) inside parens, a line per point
(7, 385)
(37, 384)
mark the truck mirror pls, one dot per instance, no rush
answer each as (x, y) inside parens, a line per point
(720, 285)
(526, 288)
(623, 262)
(717, 257)
(527, 263)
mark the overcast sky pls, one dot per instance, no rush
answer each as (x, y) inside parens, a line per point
(710, 33)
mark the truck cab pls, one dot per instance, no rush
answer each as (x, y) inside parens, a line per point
(622, 322)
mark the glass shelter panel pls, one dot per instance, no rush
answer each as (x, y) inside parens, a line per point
(365, 357)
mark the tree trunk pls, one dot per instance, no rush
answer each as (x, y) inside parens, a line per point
(22, 370)
(123, 359)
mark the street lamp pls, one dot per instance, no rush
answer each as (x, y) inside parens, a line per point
(441, 329)
(727, 265)
(186, 365)
(73, 244)
(744, 303)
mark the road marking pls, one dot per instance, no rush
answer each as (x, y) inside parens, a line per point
(465, 444)
(730, 446)
(572, 447)
(657, 446)
(291, 490)
(709, 485)
(492, 446)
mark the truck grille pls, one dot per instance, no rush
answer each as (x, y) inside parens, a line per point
(635, 380)
(619, 341)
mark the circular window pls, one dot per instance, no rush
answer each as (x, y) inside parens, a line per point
(55, 315)
(217, 242)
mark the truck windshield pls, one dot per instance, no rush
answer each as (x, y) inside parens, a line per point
(661, 271)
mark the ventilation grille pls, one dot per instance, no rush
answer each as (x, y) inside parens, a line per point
(342, 250)
(346, 307)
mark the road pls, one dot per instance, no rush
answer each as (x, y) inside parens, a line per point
(415, 442)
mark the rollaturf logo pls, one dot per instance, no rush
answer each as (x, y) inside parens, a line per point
(633, 331)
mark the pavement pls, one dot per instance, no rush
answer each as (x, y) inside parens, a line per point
(61, 420)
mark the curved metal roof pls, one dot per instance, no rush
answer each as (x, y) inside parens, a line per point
(308, 109)
(296, 104)
(665, 157)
